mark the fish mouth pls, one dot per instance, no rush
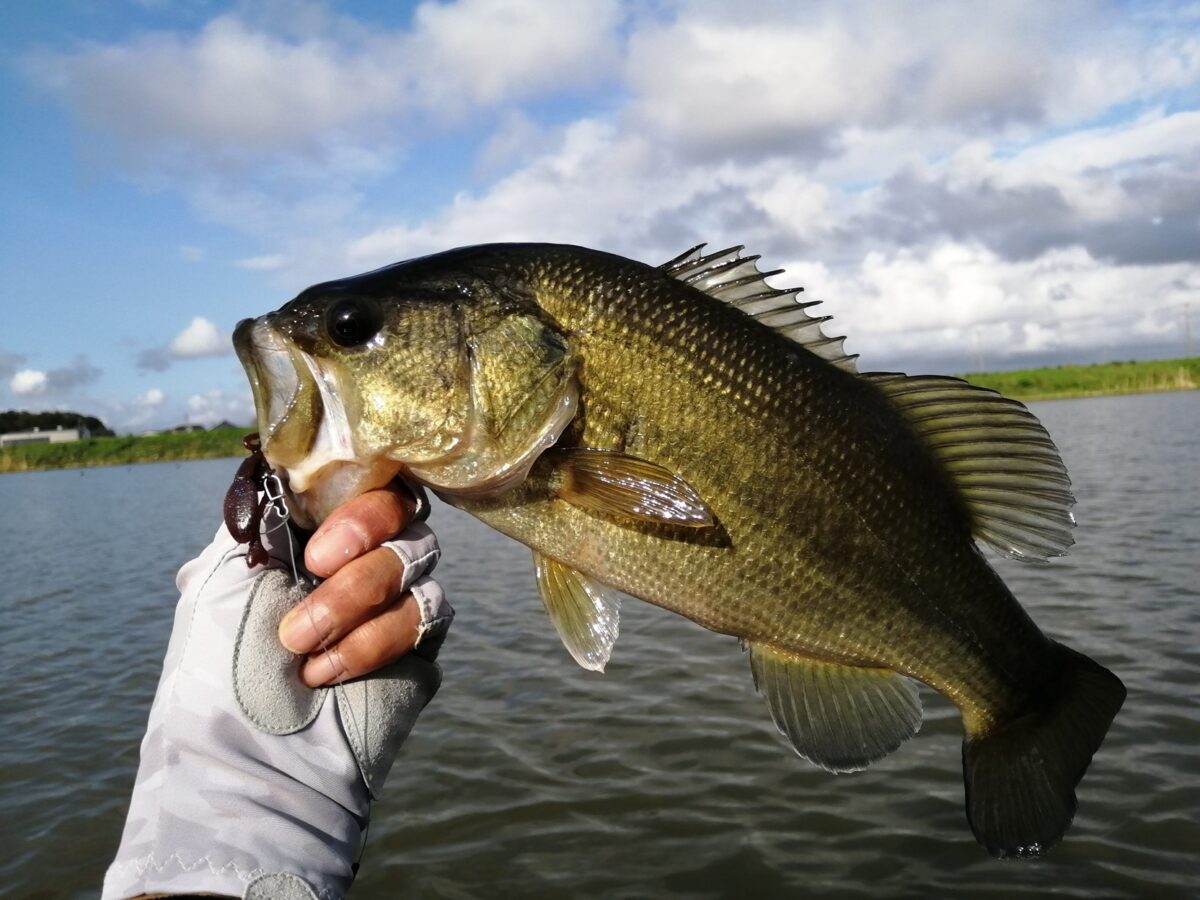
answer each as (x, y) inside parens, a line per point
(303, 425)
(286, 396)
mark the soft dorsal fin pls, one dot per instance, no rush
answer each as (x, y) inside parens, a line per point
(736, 279)
(1003, 462)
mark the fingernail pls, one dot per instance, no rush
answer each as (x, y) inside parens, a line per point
(330, 549)
(323, 669)
(303, 628)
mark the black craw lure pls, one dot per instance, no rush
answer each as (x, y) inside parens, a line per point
(243, 508)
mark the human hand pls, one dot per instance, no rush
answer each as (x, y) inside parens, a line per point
(367, 613)
(249, 783)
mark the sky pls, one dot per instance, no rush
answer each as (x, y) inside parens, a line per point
(965, 186)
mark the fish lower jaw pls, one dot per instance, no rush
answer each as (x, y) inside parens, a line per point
(316, 492)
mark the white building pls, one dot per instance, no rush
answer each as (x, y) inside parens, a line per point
(57, 435)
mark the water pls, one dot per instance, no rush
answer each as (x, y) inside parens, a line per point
(528, 777)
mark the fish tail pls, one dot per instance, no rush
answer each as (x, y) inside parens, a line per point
(1021, 774)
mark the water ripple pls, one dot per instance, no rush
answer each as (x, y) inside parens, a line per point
(528, 777)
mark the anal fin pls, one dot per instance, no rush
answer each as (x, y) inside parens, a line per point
(841, 718)
(585, 613)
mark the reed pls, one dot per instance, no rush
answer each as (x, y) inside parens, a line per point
(1059, 382)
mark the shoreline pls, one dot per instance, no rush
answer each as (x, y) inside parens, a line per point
(1112, 379)
(1068, 382)
(1092, 395)
(124, 450)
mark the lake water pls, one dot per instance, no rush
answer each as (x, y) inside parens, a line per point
(528, 777)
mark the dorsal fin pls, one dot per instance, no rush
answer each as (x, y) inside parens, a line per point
(736, 279)
(1003, 462)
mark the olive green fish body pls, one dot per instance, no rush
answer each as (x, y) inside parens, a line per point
(841, 515)
(687, 434)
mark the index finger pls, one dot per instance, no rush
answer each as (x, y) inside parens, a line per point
(358, 526)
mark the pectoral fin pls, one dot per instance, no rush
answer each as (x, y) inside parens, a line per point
(621, 485)
(841, 718)
(585, 613)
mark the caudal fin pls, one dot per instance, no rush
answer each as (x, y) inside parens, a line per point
(1021, 775)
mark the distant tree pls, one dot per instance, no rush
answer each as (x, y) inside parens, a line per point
(21, 420)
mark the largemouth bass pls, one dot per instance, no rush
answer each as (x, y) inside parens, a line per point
(689, 435)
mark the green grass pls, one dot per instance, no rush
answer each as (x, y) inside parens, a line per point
(117, 451)
(1093, 381)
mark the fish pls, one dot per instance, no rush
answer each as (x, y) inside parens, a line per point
(689, 435)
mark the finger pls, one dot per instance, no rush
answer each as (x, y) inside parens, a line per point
(375, 643)
(358, 526)
(362, 589)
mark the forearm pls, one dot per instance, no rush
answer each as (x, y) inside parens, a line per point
(247, 777)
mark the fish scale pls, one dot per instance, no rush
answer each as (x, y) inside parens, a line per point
(689, 435)
(643, 352)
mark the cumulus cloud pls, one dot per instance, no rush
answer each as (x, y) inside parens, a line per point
(28, 383)
(796, 78)
(263, 263)
(456, 60)
(201, 338)
(1005, 175)
(954, 305)
(209, 407)
(237, 89)
(143, 409)
(152, 398)
(1128, 195)
(36, 382)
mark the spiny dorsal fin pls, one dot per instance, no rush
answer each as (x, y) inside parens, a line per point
(585, 613)
(1004, 463)
(736, 279)
(842, 718)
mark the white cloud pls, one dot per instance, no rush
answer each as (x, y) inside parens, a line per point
(212, 406)
(151, 399)
(235, 88)
(1001, 175)
(479, 52)
(28, 383)
(276, 128)
(200, 338)
(263, 263)
(793, 79)
(953, 302)
(142, 410)
(59, 380)
(229, 86)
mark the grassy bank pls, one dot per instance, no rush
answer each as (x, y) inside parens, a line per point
(1061, 382)
(117, 451)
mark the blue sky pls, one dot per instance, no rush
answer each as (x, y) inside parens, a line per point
(1006, 184)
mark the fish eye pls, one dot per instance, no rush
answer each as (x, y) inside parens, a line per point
(353, 321)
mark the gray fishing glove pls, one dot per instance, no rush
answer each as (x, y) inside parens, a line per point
(250, 783)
